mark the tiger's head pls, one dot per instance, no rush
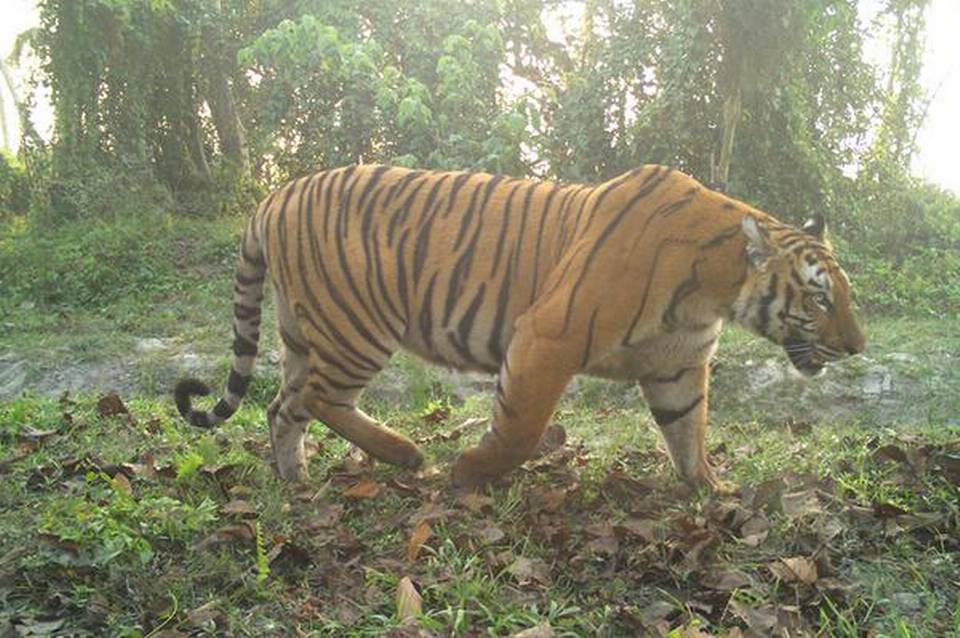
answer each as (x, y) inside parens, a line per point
(796, 294)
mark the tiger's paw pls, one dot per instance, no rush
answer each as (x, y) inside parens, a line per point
(294, 472)
(469, 473)
(706, 479)
(408, 456)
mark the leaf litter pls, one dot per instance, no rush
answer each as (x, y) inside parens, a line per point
(759, 561)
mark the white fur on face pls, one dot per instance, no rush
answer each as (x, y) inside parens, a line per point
(818, 276)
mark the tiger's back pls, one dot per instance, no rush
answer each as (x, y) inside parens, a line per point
(439, 263)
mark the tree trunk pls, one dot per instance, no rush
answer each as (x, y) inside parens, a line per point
(4, 128)
(219, 94)
(732, 110)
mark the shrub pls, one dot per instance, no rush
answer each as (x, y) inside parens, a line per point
(14, 188)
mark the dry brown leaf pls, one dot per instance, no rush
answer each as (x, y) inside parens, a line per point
(622, 486)
(204, 614)
(547, 499)
(553, 439)
(122, 483)
(643, 528)
(363, 489)
(765, 495)
(891, 452)
(797, 569)
(111, 405)
(948, 466)
(526, 570)
(698, 543)
(420, 535)
(476, 502)
(543, 630)
(229, 534)
(244, 509)
(605, 539)
(490, 534)
(726, 579)
(438, 415)
(762, 620)
(755, 530)
(888, 510)
(409, 602)
(800, 504)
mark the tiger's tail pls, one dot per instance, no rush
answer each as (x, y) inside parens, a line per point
(247, 301)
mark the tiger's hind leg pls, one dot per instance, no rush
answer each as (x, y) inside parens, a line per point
(375, 439)
(333, 386)
(288, 419)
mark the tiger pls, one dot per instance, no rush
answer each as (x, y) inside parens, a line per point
(533, 281)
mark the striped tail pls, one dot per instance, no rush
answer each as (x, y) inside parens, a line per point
(247, 300)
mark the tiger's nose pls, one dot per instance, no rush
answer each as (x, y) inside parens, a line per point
(856, 345)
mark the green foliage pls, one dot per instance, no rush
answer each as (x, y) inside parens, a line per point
(328, 94)
(96, 263)
(109, 524)
(139, 90)
(14, 188)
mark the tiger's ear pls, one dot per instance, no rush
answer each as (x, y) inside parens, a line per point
(816, 227)
(759, 250)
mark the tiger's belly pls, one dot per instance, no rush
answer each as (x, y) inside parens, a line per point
(659, 356)
(479, 350)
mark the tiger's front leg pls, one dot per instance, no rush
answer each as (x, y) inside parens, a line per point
(678, 403)
(534, 374)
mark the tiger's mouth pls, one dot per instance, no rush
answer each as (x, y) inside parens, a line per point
(802, 356)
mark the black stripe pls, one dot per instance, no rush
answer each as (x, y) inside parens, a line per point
(622, 180)
(665, 417)
(223, 410)
(649, 281)
(200, 419)
(426, 314)
(536, 251)
(504, 224)
(401, 214)
(336, 363)
(722, 236)
(402, 274)
(764, 304)
(466, 321)
(672, 379)
(423, 236)
(248, 281)
(244, 312)
(337, 385)
(237, 383)
(285, 275)
(243, 347)
(467, 217)
(646, 188)
(337, 404)
(291, 343)
(680, 293)
(585, 359)
(458, 183)
(565, 204)
(494, 345)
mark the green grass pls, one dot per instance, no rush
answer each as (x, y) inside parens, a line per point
(125, 556)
